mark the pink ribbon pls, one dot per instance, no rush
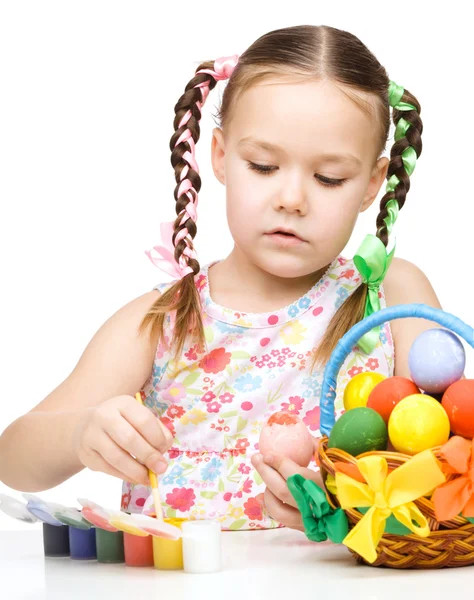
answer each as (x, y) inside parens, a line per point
(223, 67)
(165, 260)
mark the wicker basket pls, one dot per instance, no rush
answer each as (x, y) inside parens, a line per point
(450, 543)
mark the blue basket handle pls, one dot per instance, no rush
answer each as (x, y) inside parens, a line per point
(350, 339)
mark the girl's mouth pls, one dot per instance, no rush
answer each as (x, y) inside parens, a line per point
(285, 239)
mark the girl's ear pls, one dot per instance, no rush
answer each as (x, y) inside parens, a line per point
(379, 173)
(218, 154)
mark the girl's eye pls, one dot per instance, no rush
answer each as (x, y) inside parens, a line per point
(330, 182)
(267, 170)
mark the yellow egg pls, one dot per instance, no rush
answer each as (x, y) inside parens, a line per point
(359, 387)
(418, 422)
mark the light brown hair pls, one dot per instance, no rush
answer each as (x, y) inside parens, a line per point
(313, 52)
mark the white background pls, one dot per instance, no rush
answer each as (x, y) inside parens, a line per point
(86, 112)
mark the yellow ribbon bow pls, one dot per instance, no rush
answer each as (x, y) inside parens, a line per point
(387, 494)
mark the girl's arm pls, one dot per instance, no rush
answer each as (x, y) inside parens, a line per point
(92, 418)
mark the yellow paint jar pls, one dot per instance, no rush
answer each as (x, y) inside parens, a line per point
(168, 554)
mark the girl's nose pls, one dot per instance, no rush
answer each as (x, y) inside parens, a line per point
(292, 198)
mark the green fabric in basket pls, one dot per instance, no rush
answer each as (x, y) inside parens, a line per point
(470, 519)
(392, 524)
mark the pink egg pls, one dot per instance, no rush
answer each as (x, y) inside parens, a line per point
(286, 435)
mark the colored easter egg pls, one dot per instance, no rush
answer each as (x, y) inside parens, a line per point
(417, 423)
(359, 388)
(359, 430)
(388, 393)
(458, 402)
(285, 434)
(436, 360)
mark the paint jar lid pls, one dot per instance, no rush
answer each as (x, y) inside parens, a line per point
(16, 509)
(96, 514)
(156, 527)
(54, 513)
(70, 516)
(139, 524)
(41, 509)
(125, 522)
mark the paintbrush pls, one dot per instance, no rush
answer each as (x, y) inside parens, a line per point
(153, 481)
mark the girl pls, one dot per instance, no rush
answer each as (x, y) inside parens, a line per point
(304, 119)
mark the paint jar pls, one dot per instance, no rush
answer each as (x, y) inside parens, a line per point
(138, 550)
(55, 540)
(82, 543)
(201, 546)
(109, 546)
(168, 554)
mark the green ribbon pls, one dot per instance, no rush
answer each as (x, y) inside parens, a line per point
(395, 93)
(401, 129)
(372, 261)
(320, 521)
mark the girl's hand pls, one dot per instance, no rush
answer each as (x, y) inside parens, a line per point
(279, 502)
(122, 438)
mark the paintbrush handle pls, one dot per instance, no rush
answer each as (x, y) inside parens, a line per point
(153, 480)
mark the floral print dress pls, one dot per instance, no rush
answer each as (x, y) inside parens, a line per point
(216, 399)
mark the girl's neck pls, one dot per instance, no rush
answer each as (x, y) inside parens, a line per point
(240, 285)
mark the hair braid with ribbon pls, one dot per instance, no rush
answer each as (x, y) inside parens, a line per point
(176, 254)
(373, 259)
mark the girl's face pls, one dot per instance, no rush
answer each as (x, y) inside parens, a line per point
(298, 157)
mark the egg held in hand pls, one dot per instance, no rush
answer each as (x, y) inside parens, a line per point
(285, 434)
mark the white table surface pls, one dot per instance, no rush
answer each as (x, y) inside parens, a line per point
(276, 564)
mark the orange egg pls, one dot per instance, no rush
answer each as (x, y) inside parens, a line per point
(458, 402)
(388, 393)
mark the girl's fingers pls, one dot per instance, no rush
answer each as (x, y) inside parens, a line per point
(273, 480)
(121, 461)
(97, 463)
(128, 438)
(148, 425)
(286, 467)
(289, 516)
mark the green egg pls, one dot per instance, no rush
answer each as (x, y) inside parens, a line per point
(359, 430)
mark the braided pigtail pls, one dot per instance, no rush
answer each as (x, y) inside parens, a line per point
(372, 259)
(177, 255)
(405, 151)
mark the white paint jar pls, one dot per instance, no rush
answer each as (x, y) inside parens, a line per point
(201, 546)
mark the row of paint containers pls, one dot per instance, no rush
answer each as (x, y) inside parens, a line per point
(110, 536)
